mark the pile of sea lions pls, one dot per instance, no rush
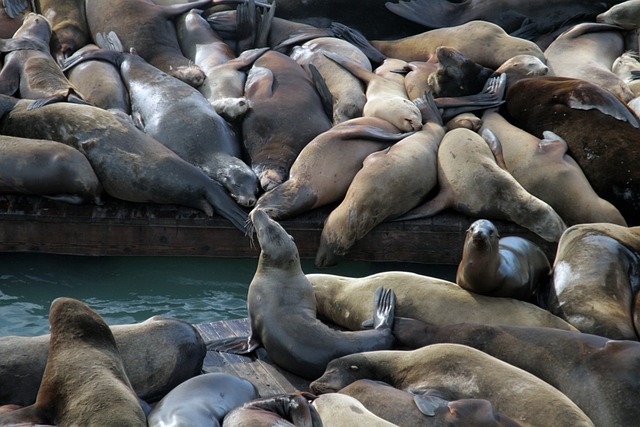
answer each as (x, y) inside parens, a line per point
(259, 112)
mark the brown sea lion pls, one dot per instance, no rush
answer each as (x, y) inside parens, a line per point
(464, 373)
(346, 90)
(33, 73)
(543, 168)
(482, 42)
(386, 97)
(84, 381)
(595, 278)
(596, 373)
(10, 24)
(285, 322)
(99, 82)
(69, 24)
(390, 183)
(346, 301)
(286, 114)
(158, 354)
(148, 28)
(599, 129)
(471, 182)
(130, 164)
(48, 169)
(522, 18)
(325, 167)
(510, 266)
(602, 44)
(407, 409)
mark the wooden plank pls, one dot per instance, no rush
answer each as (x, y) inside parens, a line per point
(258, 368)
(35, 224)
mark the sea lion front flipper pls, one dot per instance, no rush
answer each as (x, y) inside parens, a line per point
(323, 90)
(384, 302)
(357, 39)
(264, 26)
(496, 147)
(235, 345)
(428, 108)
(74, 98)
(584, 98)
(46, 101)
(10, 78)
(15, 7)
(225, 206)
(428, 403)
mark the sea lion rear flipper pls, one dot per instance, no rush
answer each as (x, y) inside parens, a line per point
(428, 108)
(15, 7)
(264, 26)
(224, 204)
(235, 345)
(496, 147)
(356, 38)
(300, 36)
(323, 90)
(384, 308)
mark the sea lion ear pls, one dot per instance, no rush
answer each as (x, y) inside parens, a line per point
(427, 403)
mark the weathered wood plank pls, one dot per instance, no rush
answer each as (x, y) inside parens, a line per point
(35, 224)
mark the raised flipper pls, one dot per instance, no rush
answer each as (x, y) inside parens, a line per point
(428, 109)
(384, 302)
(322, 89)
(264, 26)
(491, 96)
(224, 204)
(496, 147)
(235, 345)
(15, 7)
(357, 39)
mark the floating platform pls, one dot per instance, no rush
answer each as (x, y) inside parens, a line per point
(37, 224)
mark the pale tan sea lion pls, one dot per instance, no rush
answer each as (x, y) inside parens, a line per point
(546, 170)
(595, 279)
(627, 67)
(625, 14)
(346, 301)
(338, 410)
(471, 182)
(464, 372)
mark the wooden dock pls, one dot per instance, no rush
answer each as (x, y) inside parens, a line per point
(37, 224)
(268, 378)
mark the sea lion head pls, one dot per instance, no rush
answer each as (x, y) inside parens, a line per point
(456, 74)
(35, 27)
(71, 318)
(341, 372)
(276, 244)
(521, 66)
(483, 234)
(190, 74)
(625, 15)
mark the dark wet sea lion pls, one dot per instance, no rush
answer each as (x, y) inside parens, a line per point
(148, 28)
(84, 372)
(599, 129)
(527, 19)
(282, 310)
(462, 372)
(286, 114)
(33, 73)
(158, 354)
(596, 279)
(203, 400)
(130, 164)
(597, 373)
(48, 169)
(511, 266)
(456, 74)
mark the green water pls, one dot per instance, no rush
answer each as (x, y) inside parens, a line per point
(132, 289)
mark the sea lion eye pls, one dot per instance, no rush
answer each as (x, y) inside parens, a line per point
(354, 367)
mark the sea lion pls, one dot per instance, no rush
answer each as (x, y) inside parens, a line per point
(521, 66)
(225, 73)
(457, 75)
(461, 371)
(158, 354)
(325, 167)
(510, 266)
(471, 182)
(179, 117)
(391, 182)
(622, 13)
(482, 42)
(345, 301)
(627, 67)
(33, 73)
(405, 409)
(203, 400)
(519, 18)
(130, 164)
(545, 169)
(285, 322)
(10, 24)
(386, 98)
(595, 278)
(593, 371)
(279, 410)
(338, 410)
(602, 44)
(346, 90)
(286, 114)
(149, 28)
(48, 169)
(69, 24)
(84, 381)
(598, 128)
(99, 82)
